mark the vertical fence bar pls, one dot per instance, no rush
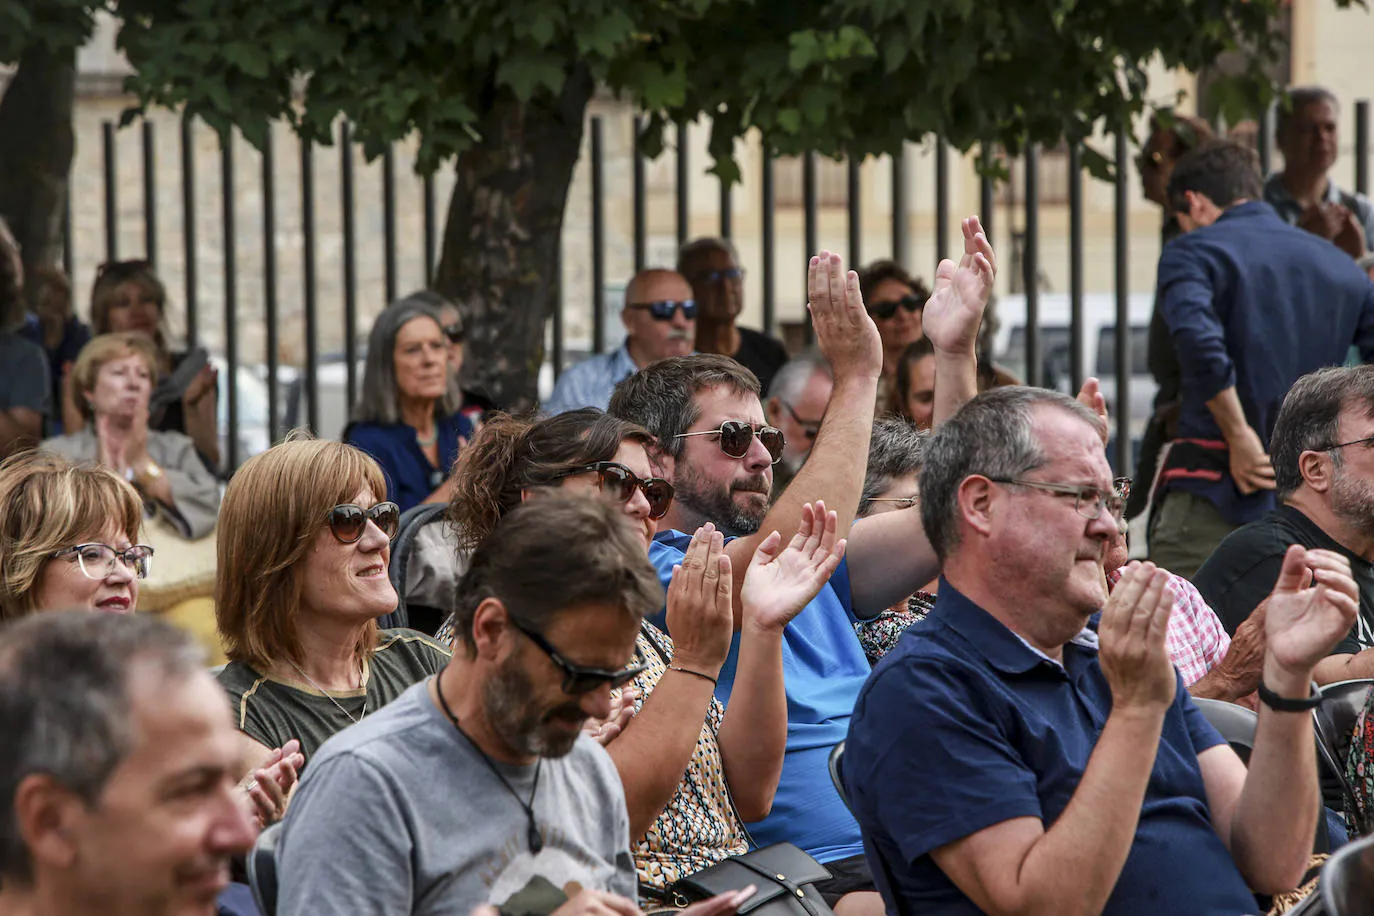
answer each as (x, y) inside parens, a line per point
(987, 204)
(1123, 315)
(68, 259)
(899, 207)
(770, 316)
(941, 199)
(641, 212)
(727, 215)
(1264, 139)
(269, 284)
(1362, 146)
(812, 227)
(682, 198)
(1076, 369)
(231, 335)
(389, 221)
(1030, 262)
(149, 194)
(598, 240)
(853, 199)
(107, 136)
(312, 337)
(431, 228)
(188, 225)
(350, 266)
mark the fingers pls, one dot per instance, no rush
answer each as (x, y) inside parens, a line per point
(1293, 575)
(835, 278)
(1333, 571)
(1123, 599)
(725, 583)
(769, 549)
(721, 904)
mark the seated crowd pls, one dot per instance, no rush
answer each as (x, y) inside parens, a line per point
(854, 631)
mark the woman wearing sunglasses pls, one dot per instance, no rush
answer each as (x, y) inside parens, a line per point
(693, 773)
(305, 539)
(895, 300)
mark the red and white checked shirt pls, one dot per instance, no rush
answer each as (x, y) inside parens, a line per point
(1196, 639)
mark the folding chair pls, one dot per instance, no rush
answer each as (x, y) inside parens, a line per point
(262, 869)
(1347, 885)
(1335, 720)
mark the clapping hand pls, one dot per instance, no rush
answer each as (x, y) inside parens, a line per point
(604, 731)
(1091, 397)
(779, 583)
(270, 785)
(1312, 607)
(960, 293)
(844, 330)
(701, 616)
(1134, 657)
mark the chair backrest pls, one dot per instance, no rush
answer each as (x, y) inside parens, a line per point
(1347, 884)
(412, 520)
(1334, 721)
(837, 773)
(262, 869)
(1236, 724)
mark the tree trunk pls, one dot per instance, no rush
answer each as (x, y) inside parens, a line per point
(503, 234)
(36, 146)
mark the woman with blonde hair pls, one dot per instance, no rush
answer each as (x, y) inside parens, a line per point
(304, 545)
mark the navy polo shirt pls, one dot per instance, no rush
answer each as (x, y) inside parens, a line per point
(964, 726)
(410, 478)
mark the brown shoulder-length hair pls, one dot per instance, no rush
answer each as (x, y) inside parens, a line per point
(272, 509)
(48, 503)
(511, 454)
(109, 278)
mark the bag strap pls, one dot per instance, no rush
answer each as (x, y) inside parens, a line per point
(793, 889)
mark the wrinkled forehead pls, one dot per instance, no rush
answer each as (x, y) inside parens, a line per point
(717, 403)
(1072, 447)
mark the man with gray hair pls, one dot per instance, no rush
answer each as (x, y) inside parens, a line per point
(796, 405)
(117, 768)
(711, 265)
(1070, 770)
(1323, 454)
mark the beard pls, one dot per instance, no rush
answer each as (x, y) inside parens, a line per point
(508, 701)
(714, 502)
(1352, 501)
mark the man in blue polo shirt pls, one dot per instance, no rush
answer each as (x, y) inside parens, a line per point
(713, 445)
(1006, 758)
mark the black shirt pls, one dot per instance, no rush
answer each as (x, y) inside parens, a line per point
(1242, 571)
(761, 355)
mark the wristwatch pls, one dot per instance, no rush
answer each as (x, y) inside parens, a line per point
(149, 472)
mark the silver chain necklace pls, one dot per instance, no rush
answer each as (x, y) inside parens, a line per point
(337, 705)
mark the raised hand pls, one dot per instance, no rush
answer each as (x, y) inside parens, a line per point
(960, 293)
(779, 583)
(1133, 654)
(845, 333)
(1091, 397)
(1312, 607)
(701, 615)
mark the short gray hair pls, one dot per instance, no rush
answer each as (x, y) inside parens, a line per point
(380, 400)
(1309, 419)
(1298, 98)
(992, 436)
(688, 254)
(792, 378)
(895, 449)
(64, 703)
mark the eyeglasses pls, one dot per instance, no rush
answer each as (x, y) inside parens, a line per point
(715, 276)
(349, 521)
(736, 435)
(454, 333)
(97, 561)
(579, 679)
(903, 502)
(1088, 501)
(1367, 442)
(810, 428)
(888, 307)
(622, 482)
(664, 309)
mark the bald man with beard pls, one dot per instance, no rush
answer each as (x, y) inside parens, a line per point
(660, 321)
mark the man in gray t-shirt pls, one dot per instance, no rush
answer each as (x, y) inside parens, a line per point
(477, 786)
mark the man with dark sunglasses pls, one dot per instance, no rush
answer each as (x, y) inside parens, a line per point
(660, 321)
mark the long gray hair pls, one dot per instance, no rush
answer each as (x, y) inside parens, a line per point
(380, 400)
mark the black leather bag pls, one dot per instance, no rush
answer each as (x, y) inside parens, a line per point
(783, 874)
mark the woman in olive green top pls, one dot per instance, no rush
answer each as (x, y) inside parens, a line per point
(304, 543)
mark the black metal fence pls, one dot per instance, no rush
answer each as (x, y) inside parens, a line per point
(1025, 248)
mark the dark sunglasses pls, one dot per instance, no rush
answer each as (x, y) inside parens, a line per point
(579, 679)
(888, 307)
(454, 333)
(349, 521)
(735, 436)
(622, 482)
(663, 309)
(119, 268)
(715, 276)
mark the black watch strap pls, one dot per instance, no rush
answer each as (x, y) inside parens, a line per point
(1286, 704)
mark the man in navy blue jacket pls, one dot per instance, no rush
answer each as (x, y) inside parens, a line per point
(1252, 305)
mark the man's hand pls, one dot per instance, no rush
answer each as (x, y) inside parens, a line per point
(960, 293)
(701, 615)
(1324, 219)
(604, 731)
(779, 583)
(1091, 397)
(845, 332)
(1250, 466)
(1133, 654)
(1350, 238)
(1312, 607)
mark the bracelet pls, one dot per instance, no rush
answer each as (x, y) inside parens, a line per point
(1288, 704)
(704, 677)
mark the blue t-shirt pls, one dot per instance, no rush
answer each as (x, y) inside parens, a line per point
(964, 726)
(823, 668)
(409, 475)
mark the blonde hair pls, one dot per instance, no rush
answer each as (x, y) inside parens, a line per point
(48, 503)
(273, 508)
(104, 349)
(109, 278)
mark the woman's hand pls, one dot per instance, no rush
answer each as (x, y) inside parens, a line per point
(112, 445)
(269, 787)
(604, 731)
(779, 583)
(701, 616)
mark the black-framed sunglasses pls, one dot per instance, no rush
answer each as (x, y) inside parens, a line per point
(622, 482)
(663, 309)
(736, 435)
(810, 428)
(130, 266)
(715, 276)
(579, 679)
(454, 333)
(888, 307)
(348, 522)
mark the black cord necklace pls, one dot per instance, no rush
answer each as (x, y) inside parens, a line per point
(536, 843)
